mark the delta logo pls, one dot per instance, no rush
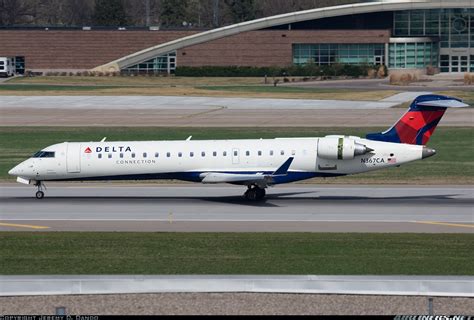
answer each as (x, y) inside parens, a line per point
(88, 150)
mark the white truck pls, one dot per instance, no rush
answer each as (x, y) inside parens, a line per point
(7, 66)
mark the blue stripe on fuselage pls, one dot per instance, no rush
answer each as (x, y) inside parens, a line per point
(195, 176)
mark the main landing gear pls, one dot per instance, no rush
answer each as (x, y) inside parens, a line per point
(40, 192)
(254, 193)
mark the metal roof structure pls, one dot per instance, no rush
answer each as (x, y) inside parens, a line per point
(288, 18)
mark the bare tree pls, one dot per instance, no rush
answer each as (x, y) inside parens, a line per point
(14, 12)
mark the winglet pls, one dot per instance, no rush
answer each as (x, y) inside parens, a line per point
(283, 170)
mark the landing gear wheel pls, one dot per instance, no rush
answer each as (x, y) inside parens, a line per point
(260, 193)
(255, 193)
(40, 193)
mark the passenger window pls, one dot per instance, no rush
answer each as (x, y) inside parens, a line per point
(271, 152)
(282, 152)
(99, 155)
(133, 155)
(236, 153)
(260, 153)
(180, 154)
(224, 153)
(168, 155)
(214, 154)
(191, 154)
(203, 154)
(247, 153)
(157, 155)
(121, 156)
(144, 155)
(110, 156)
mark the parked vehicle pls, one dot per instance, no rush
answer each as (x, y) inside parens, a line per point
(7, 66)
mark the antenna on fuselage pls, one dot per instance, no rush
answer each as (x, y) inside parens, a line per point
(103, 140)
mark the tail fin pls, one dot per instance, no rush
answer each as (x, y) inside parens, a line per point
(419, 123)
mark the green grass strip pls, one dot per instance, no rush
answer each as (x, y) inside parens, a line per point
(24, 253)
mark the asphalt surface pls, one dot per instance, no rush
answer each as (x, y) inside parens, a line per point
(158, 111)
(234, 304)
(196, 208)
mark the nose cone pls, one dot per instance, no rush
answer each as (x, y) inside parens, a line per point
(13, 171)
(427, 152)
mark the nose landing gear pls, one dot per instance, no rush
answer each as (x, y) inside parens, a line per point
(255, 193)
(40, 192)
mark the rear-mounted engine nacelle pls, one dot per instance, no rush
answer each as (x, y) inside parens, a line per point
(333, 148)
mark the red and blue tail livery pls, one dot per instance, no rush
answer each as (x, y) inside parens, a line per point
(419, 123)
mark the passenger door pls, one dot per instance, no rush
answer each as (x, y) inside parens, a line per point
(73, 160)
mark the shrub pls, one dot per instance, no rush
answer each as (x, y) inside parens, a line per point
(468, 78)
(394, 78)
(430, 70)
(309, 70)
(382, 72)
(371, 73)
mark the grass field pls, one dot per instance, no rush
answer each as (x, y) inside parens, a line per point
(236, 253)
(454, 163)
(192, 86)
(172, 86)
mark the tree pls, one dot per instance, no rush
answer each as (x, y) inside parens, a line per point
(243, 10)
(174, 12)
(109, 13)
(15, 11)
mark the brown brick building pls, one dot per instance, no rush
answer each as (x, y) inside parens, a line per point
(400, 35)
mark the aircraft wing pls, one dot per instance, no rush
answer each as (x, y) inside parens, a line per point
(260, 179)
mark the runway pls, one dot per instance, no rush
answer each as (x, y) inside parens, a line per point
(196, 208)
(159, 111)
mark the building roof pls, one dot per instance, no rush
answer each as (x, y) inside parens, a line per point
(288, 18)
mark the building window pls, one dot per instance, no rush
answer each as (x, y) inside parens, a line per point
(327, 54)
(165, 64)
(413, 55)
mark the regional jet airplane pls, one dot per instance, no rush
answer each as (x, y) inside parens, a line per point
(256, 164)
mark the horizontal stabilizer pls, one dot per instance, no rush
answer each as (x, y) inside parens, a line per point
(453, 103)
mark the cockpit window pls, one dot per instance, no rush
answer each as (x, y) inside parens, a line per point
(44, 154)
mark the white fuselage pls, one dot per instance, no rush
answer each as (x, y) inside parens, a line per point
(191, 160)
